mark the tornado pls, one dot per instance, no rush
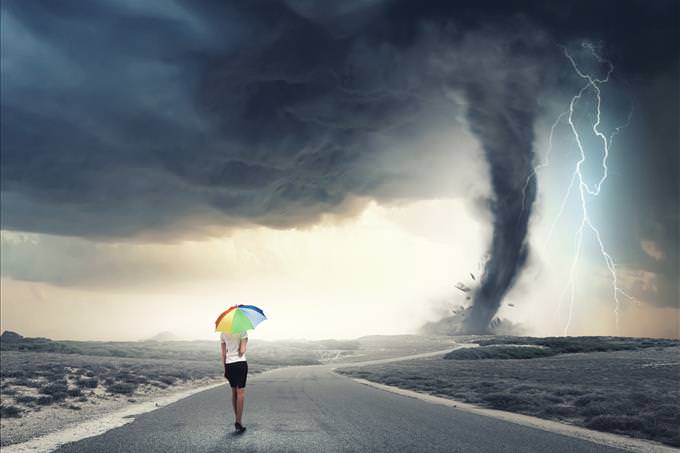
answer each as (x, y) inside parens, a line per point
(501, 116)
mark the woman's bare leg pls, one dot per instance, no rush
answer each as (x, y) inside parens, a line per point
(240, 396)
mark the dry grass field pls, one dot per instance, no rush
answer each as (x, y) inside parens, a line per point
(626, 386)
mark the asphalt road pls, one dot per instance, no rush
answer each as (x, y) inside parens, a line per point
(302, 409)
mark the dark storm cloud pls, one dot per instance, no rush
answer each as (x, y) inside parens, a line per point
(119, 121)
(126, 118)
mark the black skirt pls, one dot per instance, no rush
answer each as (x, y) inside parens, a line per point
(236, 373)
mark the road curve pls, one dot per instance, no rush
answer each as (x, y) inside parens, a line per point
(310, 408)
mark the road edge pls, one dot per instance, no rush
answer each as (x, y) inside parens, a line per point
(100, 425)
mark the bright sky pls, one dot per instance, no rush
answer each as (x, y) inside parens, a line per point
(386, 271)
(382, 272)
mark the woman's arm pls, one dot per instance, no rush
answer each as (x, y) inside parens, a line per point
(223, 347)
(242, 346)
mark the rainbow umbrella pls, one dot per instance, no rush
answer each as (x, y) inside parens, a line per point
(239, 318)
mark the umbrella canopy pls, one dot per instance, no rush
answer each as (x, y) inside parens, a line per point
(239, 318)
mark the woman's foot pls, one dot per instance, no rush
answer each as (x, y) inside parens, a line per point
(240, 429)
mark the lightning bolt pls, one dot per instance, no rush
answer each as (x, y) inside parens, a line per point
(585, 191)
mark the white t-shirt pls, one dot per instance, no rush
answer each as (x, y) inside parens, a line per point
(233, 340)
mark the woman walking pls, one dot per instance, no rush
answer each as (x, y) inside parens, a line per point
(233, 346)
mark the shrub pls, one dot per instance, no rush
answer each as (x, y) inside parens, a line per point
(586, 400)
(88, 383)
(562, 391)
(13, 373)
(508, 401)
(179, 375)
(499, 353)
(25, 382)
(135, 379)
(45, 400)
(73, 391)
(340, 344)
(554, 399)
(169, 380)
(640, 398)
(10, 412)
(669, 412)
(53, 389)
(124, 388)
(56, 379)
(614, 423)
(525, 388)
(560, 410)
(36, 384)
(595, 409)
(564, 345)
(26, 399)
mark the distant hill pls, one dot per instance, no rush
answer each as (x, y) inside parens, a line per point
(12, 341)
(165, 336)
(185, 350)
(8, 335)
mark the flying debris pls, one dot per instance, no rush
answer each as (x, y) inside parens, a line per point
(462, 287)
(511, 305)
(457, 309)
(473, 276)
